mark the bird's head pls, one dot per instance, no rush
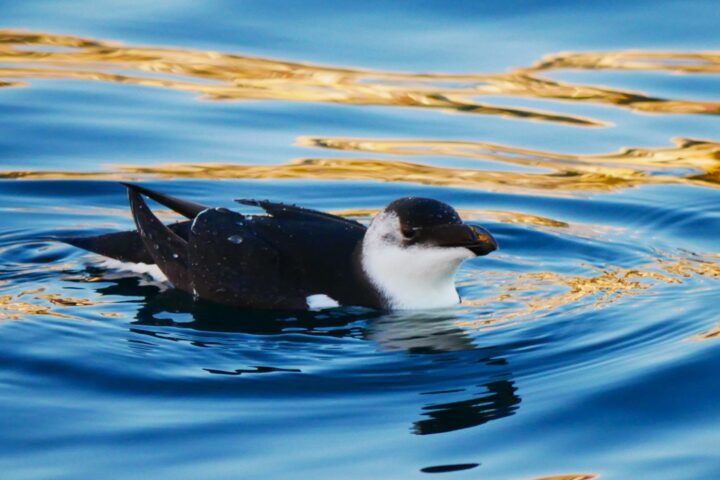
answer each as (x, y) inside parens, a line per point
(412, 249)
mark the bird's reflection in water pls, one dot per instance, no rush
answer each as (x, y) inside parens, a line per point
(418, 332)
(426, 332)
(499, 400)
(466, 403)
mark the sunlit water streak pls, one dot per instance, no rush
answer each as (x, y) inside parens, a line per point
(597, 313)
(221, 76)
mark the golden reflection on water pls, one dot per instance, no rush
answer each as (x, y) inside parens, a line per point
(687, 162)
(28, 56)
(12, 307)
(531, 295)
(220, 76)
(711, 334)
(685, 153)
(700, 62)
(35, 302)
(528, 296)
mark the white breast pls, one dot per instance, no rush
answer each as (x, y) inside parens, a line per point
(416, 278)
(412, 277)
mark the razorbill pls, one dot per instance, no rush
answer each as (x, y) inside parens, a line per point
(295, 258)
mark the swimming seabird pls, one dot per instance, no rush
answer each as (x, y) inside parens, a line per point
(294, 258)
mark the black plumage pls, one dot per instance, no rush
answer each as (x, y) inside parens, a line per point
(272, 261)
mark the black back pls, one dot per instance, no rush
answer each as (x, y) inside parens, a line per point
(272, 261)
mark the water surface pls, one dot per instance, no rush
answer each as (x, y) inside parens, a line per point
(583, 136)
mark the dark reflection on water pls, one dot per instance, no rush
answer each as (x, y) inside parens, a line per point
(499, 401)
(414, 333)
(584, 137)
(449, 468)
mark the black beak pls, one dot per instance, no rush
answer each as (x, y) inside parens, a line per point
(476, 239)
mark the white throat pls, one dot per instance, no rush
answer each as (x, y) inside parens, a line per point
(410, 277)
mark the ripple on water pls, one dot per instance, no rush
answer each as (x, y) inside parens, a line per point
(587, 343)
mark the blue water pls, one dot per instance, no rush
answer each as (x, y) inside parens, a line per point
(587, 346)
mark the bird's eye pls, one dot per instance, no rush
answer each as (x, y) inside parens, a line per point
(409, 232)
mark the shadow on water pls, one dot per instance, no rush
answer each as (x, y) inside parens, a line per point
(500, 400)
(424, 333)
(412, 332)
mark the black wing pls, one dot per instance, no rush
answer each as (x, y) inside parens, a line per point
(231, 263)
(272, 261)
(293, 212)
